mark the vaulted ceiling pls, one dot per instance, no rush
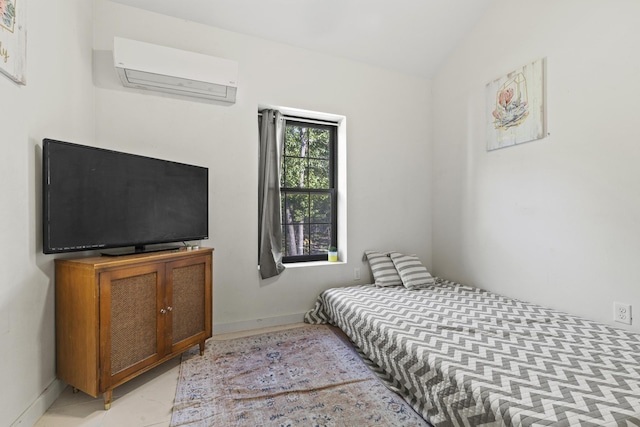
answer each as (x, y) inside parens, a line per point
(409, 36)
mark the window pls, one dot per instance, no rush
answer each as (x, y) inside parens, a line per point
(308, 190)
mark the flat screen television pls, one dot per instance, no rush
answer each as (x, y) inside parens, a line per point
(96, 199)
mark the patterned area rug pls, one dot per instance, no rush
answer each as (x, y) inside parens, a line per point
(306, 376)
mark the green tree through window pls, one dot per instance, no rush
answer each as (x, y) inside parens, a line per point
(308, 183)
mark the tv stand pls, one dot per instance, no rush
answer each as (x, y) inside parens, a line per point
(119, 317)
(141, 250)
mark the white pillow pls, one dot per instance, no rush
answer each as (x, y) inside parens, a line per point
(412, 273)
(383, 270)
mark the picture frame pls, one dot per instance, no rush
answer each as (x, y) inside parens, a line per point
(13, 40)
(516, 106)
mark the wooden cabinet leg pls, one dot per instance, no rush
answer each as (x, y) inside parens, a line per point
(74, 390)
(108, 395)
(201, 348)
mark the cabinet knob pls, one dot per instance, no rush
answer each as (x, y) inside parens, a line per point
(163, 311)
(169, 308)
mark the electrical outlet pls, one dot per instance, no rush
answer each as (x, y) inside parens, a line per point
(356, 274)
(622, 313)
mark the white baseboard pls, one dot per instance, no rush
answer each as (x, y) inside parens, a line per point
(33, 413)
(246, 325)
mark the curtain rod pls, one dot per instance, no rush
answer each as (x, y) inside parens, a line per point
(306, 120)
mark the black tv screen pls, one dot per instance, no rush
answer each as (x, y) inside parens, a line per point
(97, 199)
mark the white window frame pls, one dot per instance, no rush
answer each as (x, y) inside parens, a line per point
(341, 164)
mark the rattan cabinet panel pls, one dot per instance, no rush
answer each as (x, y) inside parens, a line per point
(188, 308)
(133, 320)
(119, 317)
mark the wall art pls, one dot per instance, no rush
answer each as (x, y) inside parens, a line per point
(13, 40)
(516, 110)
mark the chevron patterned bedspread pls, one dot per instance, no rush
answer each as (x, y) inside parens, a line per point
(463, 356)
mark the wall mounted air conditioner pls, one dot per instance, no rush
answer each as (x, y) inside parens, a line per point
(165, 69)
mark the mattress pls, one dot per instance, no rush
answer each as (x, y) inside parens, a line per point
(463, 356)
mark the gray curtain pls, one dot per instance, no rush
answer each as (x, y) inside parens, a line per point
(269, 215)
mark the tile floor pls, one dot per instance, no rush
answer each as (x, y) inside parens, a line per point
(144, 401)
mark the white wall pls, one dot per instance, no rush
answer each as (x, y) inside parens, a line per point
(57, 102)
(554, 221)
(388, 149)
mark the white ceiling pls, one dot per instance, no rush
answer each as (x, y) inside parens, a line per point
(410, 36)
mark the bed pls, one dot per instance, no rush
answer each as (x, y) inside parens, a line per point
(463, 356)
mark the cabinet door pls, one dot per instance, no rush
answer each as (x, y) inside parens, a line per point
(188, 293)
(130, 324)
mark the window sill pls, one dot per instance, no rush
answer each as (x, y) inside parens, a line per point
(313, 264)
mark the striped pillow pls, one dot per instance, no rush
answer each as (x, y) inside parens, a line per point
(383, 270)
(412, 273)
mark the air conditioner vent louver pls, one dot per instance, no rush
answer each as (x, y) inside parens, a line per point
(165, 69)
